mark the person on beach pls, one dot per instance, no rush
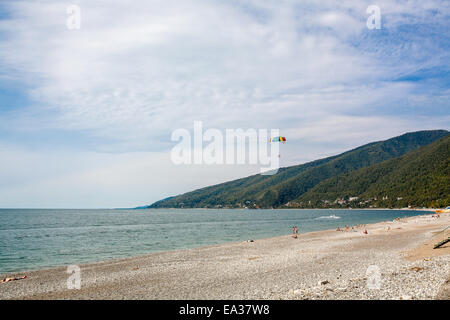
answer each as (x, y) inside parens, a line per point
(294, 232)
(12, 279)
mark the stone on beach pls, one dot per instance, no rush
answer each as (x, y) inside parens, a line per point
(320, 265)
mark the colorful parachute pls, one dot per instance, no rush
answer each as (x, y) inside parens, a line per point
(278, 139)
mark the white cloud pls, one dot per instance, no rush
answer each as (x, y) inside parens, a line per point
(136, 71)
(141, 68)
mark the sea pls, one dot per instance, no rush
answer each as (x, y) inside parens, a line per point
(32, 239)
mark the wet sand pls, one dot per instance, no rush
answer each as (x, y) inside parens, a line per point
(318, 265)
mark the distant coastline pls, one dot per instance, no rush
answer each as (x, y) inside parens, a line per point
(282, 208)
(411, 170)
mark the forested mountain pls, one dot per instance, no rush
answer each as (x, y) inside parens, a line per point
(295, 186)
(418, 178)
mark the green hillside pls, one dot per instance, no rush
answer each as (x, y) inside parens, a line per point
(290, 183)
(419, 178)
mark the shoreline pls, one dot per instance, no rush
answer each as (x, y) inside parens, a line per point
(272, 265)
(285, 208)
(8, 274)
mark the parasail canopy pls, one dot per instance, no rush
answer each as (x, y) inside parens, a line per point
(278, 139)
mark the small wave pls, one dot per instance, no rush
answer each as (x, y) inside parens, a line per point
(331, 216)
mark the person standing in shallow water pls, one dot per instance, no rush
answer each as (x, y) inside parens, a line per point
(294, 232)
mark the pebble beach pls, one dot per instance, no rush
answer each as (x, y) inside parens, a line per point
(394, 260)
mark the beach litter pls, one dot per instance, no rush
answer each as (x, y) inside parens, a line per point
(295, 292)
(323, 282)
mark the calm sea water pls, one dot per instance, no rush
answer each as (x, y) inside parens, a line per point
(39, 238)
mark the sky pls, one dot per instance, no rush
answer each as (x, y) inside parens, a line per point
(86, 114)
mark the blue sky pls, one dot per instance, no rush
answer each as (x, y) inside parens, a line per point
(86, 115)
